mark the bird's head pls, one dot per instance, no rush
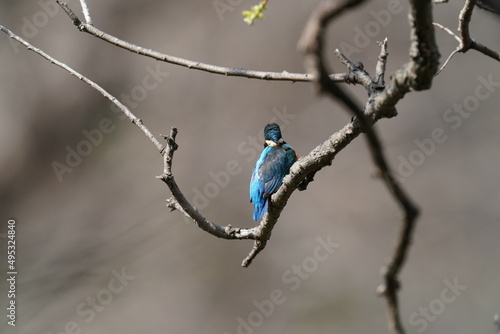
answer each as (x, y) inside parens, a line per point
(272, 135)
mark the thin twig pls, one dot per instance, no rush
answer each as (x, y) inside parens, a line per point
(451, 33)
(382, 60)
(357, 71)
(448, 30)
(448, 60)
(196, 65)
(137, 121)
(86, 12)
(72, 15)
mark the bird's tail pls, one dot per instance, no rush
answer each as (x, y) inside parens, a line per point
(259, 209)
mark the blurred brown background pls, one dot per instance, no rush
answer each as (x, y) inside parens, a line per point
(98, 251)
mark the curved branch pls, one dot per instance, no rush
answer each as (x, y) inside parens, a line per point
(417, 74)
(447, 30)
(179, 201)
(451, 33)
(317, 159)
(195, 65)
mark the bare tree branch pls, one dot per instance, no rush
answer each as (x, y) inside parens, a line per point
(318, 158)
(447, 60)
(86, 12)
(447, 30)
(416, 74)
(463, 24)
(465, 40)
(382, 61)
(451, 33)
(485, 50)
(179, 201)
(196, 65)
(463, 28)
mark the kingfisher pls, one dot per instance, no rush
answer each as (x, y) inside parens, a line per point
(273, 165)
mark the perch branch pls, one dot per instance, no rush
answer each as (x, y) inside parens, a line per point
(179, 201)
(196, 65)
(320, 157)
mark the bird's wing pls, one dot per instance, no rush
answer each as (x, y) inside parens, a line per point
(273, 170)
(291, 157)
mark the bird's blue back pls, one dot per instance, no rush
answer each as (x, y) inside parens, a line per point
(273, 165)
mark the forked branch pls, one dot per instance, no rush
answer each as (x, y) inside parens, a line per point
(417, 74)
(465, 41)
